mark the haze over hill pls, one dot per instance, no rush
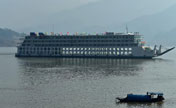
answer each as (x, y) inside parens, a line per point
(158, 28)
(8, 37)
(152, 18)
(99, 16)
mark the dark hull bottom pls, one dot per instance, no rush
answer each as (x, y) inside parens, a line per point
(142, 100)
(154, 100)
(118, 57)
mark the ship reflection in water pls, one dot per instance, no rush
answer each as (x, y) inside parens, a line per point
(142, 105)
(76, 68)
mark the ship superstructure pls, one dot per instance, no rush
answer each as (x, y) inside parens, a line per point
(106, 45)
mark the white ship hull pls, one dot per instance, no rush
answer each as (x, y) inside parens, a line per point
(87, 46)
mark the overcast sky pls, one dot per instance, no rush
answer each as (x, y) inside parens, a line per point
(14, 12)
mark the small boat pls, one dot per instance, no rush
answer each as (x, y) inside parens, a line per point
(149, 97)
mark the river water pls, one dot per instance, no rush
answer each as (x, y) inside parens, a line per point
(83, 83)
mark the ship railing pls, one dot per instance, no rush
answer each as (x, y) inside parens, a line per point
(88, 34)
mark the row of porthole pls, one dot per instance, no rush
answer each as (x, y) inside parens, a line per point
(102, 53)
(45, 48)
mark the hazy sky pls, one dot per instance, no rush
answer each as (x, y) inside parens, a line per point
(18, 14)
(12, 12)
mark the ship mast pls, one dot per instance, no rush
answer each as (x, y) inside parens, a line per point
(126, 29)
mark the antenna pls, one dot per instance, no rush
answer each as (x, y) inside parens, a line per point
(52, 28)
(126, 29)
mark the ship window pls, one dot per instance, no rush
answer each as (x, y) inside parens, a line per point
(122, 49)
(130, 49)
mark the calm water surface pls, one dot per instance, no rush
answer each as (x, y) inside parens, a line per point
(83, 83)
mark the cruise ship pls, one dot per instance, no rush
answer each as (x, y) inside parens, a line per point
(105, 45)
